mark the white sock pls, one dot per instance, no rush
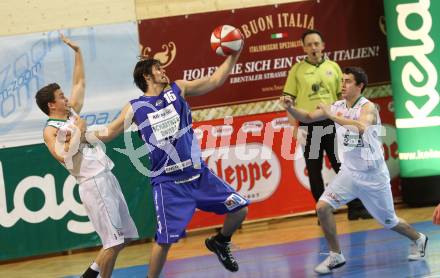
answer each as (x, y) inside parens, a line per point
(95, 267)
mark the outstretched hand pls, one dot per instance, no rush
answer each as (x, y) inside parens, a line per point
(286, 101)
(71, 44)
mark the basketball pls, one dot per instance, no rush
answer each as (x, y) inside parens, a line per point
(226, 40)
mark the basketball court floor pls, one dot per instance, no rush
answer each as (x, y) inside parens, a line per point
(275, 248)
(375, 253)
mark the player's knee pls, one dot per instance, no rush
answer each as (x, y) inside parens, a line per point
(323, 208)
(117, 248)
(390, 223)
(164, 246)
(241, 213)
(244, 211)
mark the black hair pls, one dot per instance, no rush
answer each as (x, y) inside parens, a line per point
(142, 68)
(46, 95)
(309, 32)
(359, 75)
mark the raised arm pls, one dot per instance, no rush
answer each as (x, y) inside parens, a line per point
(299, 114)
(78, 81)
(116, 127)
(208, 83)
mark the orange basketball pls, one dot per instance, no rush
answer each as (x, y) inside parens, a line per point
(226, 40)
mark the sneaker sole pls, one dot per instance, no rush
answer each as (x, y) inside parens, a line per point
(330, 269)
(218, 256)
(338, 265)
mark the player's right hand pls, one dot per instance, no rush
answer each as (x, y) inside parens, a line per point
(286, 101)
(63, 135)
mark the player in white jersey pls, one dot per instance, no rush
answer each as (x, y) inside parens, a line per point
(99, 190)
(363, 173)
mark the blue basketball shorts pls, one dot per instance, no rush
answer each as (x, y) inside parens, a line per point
(176, 201)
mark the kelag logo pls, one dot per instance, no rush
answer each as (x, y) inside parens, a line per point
(52, 208)
(413, 32)
(418, 79)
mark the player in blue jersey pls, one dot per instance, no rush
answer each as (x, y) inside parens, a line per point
(181, 181)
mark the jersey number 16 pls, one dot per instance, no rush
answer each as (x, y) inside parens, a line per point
(170, 97)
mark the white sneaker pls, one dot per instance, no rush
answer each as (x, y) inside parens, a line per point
(334, 260)
(419, 247)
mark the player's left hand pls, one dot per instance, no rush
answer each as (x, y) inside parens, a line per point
(71, 44)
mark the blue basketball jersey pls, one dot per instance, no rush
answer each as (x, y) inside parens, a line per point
(165, 126)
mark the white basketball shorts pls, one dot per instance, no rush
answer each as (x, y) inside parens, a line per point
(372, 188)
(107, 210)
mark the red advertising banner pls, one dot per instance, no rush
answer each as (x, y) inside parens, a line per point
(258, 157)
(352, 30)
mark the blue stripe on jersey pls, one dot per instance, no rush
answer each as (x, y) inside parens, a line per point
(165, 126)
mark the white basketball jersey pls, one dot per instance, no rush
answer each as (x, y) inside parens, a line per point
(90, 159)
(359, 152)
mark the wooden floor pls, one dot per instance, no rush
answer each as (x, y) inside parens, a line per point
(275, 231)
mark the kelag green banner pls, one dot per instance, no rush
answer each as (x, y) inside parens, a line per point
(40, 209)
(413, 30)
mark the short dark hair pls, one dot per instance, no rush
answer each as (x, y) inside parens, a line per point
(359, 75)
(46, 95)
(309, 32)
(143, 67)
